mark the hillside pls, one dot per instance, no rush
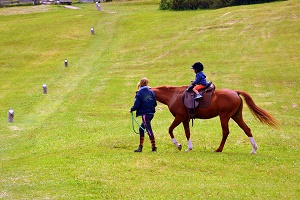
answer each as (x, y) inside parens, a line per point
(77, 142)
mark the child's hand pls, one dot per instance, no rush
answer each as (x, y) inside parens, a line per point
(190, 87)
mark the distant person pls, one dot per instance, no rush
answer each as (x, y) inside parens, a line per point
(144, 105)
(98, 5)
(200, 80)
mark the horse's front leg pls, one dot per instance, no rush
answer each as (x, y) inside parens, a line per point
(175, 123)
(225, 132)
(186, 125)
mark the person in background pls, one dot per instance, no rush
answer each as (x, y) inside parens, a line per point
(144, 105)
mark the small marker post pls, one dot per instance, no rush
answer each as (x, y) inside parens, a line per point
(45, 89)
(11, 115)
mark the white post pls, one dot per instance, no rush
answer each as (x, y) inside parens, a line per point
(66, 63)
(11, 115)
(92, 31)
(45, 88)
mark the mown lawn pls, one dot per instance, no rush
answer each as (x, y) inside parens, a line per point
(77, 142)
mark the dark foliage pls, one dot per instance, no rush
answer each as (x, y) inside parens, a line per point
(205, 4)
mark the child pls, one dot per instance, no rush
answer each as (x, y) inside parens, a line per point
(144, 105)
(200, 80)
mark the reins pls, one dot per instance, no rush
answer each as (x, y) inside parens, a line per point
(134, 120)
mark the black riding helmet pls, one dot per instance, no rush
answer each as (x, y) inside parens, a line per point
(197, 66)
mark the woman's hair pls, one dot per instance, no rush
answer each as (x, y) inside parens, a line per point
(143, 82)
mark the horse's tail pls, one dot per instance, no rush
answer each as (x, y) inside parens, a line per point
(262, 115)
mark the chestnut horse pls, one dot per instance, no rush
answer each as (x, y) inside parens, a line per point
(225, 103)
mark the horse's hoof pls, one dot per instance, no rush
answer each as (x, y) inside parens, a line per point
(179, 147)
(255, 147)
(253, 151)
(188, 149)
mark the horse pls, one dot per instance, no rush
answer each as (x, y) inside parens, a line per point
(225, 103)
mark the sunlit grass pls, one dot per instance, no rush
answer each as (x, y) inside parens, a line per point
(76, 142)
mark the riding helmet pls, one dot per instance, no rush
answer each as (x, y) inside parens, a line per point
(197, 66)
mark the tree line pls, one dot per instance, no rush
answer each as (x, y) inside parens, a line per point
(205, 4)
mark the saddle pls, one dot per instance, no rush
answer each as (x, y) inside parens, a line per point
(189, 101)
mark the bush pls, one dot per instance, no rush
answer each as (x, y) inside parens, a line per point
(204, 4)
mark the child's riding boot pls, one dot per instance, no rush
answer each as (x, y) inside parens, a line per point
(199, 96)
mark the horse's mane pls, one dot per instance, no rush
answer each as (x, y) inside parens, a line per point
(164, 93)
(169, 87)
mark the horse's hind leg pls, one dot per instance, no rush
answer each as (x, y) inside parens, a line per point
(238, 118)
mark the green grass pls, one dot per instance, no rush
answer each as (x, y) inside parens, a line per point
(77, 142)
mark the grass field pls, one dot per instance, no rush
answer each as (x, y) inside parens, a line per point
(77, 142)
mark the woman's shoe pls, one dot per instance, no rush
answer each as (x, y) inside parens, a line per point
(139, 149)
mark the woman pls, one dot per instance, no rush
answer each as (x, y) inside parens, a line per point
(144, 105)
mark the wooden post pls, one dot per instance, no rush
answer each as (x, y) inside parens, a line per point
(11, 115)
(92, 31)
(66, 63)
(45, 89)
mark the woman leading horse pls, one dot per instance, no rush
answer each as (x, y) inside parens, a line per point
(225, 103)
